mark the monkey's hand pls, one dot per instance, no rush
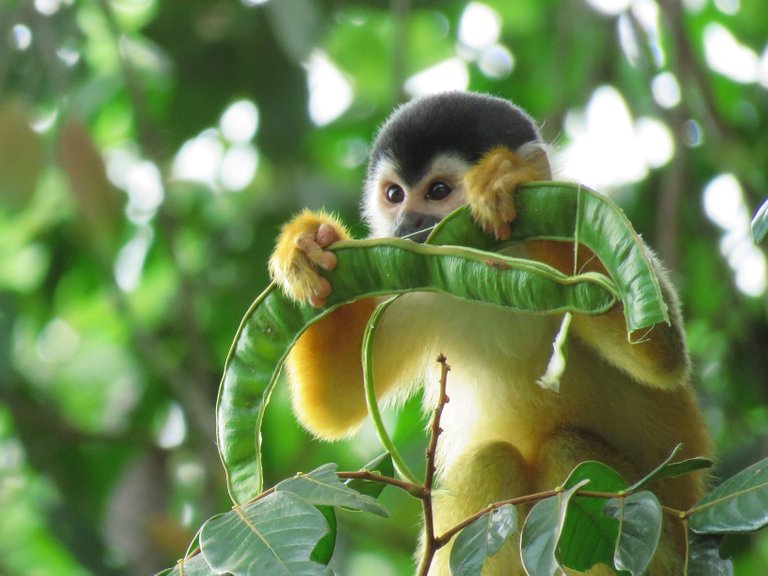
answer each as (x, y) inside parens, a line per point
(301, 252)
(491, 183)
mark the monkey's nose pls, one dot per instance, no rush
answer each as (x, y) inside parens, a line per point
(415, 226)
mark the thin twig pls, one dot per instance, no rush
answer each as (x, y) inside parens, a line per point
(412, 489)
(430, 542)
(530, 498)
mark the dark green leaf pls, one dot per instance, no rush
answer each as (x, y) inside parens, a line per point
(275, 535)
(675, 469)
(323, 487)
(588, 536)
(482, 539)
(541, 533)
(669, 469)
(572, 212)
(640, 520)
(381, 465)
(704, 559)
(740, 504)
(324, 550)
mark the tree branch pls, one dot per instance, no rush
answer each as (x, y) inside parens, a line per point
(430, 542)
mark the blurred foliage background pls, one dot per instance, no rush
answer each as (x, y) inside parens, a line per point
(150, 150)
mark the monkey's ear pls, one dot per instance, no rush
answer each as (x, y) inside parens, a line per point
(535, 154)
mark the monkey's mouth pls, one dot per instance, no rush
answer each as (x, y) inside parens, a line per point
(415, 226)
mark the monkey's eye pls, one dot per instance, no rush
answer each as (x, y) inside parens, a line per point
(438, 190)
(394, 194)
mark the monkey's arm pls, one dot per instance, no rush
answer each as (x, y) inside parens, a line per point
(325, 372)
(324, 366)
(300, 253)
(491, 183)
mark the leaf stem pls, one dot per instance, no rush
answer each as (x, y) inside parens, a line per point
(370, 395)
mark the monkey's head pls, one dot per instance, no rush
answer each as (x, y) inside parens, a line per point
(420, 155)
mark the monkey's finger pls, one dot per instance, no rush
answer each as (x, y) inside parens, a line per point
(320, 292)
(502, 231)
(504, 194)
(497, 228)
(326, 235)
(316, 253)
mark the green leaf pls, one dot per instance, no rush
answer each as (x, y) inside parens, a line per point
(571, 212)
(381, 465)
(323, 552)
(589, 536)
(323, 487)
(675, 469)
(366, 268)
(760, 224)
(704, 558)
(669, 469)
(640, 520)
(194, 566)
(482, 539)
(541, 533)
(275, 535)
(740, 504)
(392, 266)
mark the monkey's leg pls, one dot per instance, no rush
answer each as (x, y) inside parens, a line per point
(490, 473)
(560, 454)
(324, 365)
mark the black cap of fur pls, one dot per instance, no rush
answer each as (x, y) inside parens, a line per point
(463, 123)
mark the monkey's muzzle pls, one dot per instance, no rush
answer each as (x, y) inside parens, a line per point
(415, 226)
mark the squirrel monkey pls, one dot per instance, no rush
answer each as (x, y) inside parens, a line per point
(624, 404)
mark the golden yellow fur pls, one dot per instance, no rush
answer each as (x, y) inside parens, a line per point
(624, 404)
(294, 263)
(488, 184)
